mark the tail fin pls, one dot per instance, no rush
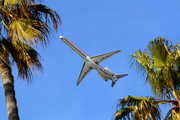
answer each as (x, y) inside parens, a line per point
(118, 76)
(113, 83)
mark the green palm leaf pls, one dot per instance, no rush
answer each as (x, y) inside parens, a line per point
(31, 32)
(43, 12)
(16, 7)
(159, 53)
(28, 22)
(123, 113)
(25, 57)
(173, 114)
(160, 63)
(137, 108)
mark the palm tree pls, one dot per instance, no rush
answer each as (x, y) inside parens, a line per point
(138, 108)
(26, 24)
(160, 63)
(27, 59)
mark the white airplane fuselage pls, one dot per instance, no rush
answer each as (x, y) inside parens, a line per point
(93, 63)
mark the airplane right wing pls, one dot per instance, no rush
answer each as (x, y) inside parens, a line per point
(99, 58)
(85, 70)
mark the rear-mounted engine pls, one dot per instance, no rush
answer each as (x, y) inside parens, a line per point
(102, 77)
(108, 71)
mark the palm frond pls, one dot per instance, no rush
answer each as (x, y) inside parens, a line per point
(141, 61)
(29, 23)
(137, 108)
(31, 32)
(4, 55)
(25, 57)
(172, 114)
(16, 7)
(44, 13)
(159, 53)
(123, 113)
(160, 65)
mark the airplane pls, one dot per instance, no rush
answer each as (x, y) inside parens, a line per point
(93, 63)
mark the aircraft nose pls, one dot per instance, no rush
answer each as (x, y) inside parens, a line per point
(60, 37)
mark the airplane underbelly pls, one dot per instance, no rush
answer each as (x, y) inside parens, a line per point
(96, 67)
(91, 63)
(103, 73)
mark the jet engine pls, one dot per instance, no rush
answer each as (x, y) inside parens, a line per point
(108, 71)
(102, 77)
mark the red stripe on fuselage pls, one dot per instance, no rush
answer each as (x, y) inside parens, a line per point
(77, 46)
(82, 50)
(101, 67)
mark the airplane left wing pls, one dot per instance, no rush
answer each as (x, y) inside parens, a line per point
(99, 58)
(85, 70)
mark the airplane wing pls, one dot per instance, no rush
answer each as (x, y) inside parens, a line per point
(99, 58)
(85, 70)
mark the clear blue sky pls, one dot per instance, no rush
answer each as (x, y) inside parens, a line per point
(97, 27)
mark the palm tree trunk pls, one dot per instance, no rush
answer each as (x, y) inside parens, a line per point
(8, 81)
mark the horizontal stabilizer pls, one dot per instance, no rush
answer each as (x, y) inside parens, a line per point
(118, 76)
(121, 75)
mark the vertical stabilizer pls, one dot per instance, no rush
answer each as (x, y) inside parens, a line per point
(113, 83)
